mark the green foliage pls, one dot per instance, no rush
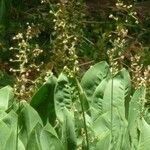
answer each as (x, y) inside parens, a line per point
(93, 77)
(43, 101)
(6, 97)
(63, 108)
(66, 114)
(108, 108)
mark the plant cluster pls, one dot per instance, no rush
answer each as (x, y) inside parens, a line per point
(108, 108)
(104, 114)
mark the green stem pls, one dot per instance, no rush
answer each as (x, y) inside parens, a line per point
(18, 126)
(81, 97)
(112, 110)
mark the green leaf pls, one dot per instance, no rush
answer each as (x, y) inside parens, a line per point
(28, 119)
(104, 142)
(114, 99)
(63, 97)
(68, 131)
(34, 138)
(6, 97)
(126, 140)
(50, 129)
(101, 124)
(43, 101)
(93, 77)
(2, 114)
(49, 140)
(12, 140)
(144, 141)
(135, 110)
(20, 145)
(126, 80)
(4, 134)
(63, 107)
(101, 131)
(136, 106)
(114, 93)
(127, 84)
(97, 99)
(147, 115)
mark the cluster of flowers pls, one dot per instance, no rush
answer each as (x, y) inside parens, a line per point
(121, 49)
(118, 38)
(24, 59)
(66, 39)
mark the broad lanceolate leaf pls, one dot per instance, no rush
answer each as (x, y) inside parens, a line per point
(50, 141)
(6, 97)
(136, 105)
(68, 130)
(8, 131)
(101, 125)
(144, 141)
(46, 138)
(4, 134)
(110, 95)
(63, 97)
(10, 139)
(103, 128)
(43, 101)
(114, 95)
(104, 141)
(64, 110)
(28, 119)
(11, 120)
(135, 110)
(34, 138)
(127, 83)
(93, 77)
(97, 99)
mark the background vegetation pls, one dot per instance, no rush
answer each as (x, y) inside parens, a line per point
(55, 42)
(49, 28)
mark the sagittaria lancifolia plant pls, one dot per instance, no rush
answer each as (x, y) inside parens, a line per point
(100, 112)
